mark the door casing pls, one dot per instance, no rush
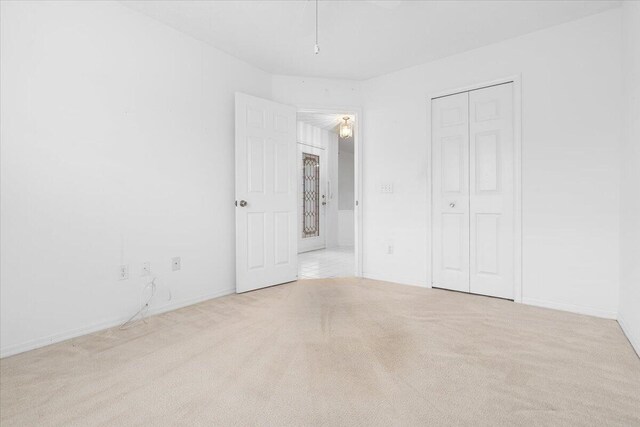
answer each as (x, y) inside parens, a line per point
(517, 163)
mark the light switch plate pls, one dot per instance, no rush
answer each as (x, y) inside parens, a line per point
(176, 263)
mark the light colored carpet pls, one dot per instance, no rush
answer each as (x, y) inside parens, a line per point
(334, 352)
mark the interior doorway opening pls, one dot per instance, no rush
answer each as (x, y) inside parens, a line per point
(326, 170)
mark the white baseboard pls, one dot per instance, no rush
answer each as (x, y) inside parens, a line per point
(633, 339)
(99, 326)
(590, 311)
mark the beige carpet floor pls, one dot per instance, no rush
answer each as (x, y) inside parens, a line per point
(334, 352)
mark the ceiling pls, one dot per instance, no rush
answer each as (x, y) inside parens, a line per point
(358, 39)
(330, 122)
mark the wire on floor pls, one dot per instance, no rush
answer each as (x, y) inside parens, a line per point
(140, 315)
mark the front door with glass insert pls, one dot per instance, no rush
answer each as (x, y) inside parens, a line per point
(311, 198)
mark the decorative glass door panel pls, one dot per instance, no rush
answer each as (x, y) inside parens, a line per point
(310, 195)
(312, 184)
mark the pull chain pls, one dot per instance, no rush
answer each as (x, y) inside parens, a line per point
(317, 47)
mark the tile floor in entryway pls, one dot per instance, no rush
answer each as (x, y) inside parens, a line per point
(324, 263)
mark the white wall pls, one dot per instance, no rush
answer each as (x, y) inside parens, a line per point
(571, 140)
(629, 315)
(346, 183)
(346, 233)
(117, 148)
(346, 227)
(315, 92)
(333, 192)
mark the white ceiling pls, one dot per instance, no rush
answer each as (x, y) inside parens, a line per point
(358, 39)
(330, 122)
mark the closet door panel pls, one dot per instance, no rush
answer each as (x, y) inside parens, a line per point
(450, 190)
(491, 191)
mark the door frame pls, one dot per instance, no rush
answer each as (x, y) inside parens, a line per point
(357, 172)
(517, 163)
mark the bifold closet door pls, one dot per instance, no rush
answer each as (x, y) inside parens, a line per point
(450, 174)
(491, 191)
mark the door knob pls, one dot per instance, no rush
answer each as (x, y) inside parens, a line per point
(243, 203)
(452, 204)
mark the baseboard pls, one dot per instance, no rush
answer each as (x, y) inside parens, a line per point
(633, 339)
(579, 309)
(590, 311)
(398, 280)
(100, 326)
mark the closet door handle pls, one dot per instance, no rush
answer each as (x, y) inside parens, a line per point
(452, 204)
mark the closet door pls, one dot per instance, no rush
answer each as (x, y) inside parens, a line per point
(450, 180)
(491, 191)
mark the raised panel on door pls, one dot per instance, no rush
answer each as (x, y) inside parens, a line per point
(256, 240)
(282, 173)
(450, 192)
(491, 195)
(453, 242)
(255, 164)
(266, 245)
(282, 226)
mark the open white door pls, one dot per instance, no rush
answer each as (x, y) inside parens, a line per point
(266, 239)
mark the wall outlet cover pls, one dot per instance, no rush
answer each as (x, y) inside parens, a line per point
(146, 269)
(124, 272)
(386, 188)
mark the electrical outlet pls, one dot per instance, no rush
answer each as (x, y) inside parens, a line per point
(389, 249)
(146, 269)
(386, 188)
(176, 264)
(124, 272)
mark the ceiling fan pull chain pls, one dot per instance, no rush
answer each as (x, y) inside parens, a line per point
(317, 47)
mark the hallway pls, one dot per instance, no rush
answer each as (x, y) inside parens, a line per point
(326, 263)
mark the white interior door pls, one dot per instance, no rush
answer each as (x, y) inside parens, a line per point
(266, 244)
(312, 198)
(492, 191)
(450, 160)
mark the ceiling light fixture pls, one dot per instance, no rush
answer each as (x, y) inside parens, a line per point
(346, 130)
(317, 47)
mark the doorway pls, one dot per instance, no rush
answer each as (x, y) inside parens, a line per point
(326, 194)
(279, 163)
